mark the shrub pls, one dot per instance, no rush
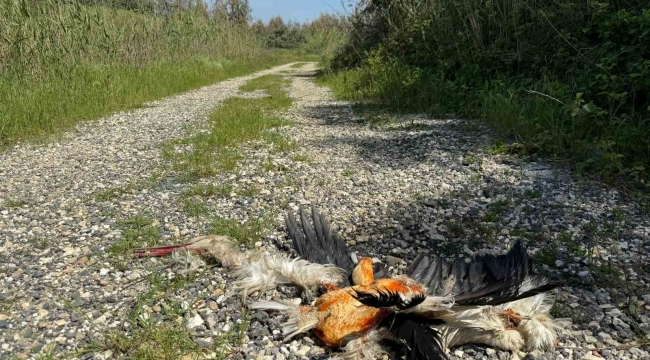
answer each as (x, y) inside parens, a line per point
(569, 77)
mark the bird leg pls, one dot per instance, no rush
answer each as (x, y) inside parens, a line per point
(156, 251)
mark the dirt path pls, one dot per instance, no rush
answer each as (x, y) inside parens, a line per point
(393, 187)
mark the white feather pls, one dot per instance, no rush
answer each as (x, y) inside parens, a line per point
(366, 347)
(486, 325)
(538, 328)
(300, 319)
(261, 270)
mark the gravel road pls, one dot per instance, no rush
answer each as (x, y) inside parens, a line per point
(392, 187)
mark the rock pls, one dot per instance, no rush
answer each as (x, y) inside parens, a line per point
(212, 321)
(590, 339)
(619, 322)
(604, 336)
(393, 261)
(304, 350)
(204, 343)
(437, 237)
(194, 322)
(591, 357)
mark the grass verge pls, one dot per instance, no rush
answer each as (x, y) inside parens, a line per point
(32, 111)
(236, 121)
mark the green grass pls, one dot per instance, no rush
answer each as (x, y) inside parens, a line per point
(236, 121)
(456, 229)
(272, 84)
(35, 110)
(151, 341)
(137, 231)
(194, 208)
(496, 210)
(301, 158)
(247, 233)
(249, 190)
(14, 204)
(115, 192)
(209, 190)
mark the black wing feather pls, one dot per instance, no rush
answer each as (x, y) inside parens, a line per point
(488, 280)
(421, 342)
(385, 299)
(319, 244)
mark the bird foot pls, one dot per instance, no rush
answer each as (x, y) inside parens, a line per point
(157, 251)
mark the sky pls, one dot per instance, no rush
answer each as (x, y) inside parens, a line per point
(294, 10)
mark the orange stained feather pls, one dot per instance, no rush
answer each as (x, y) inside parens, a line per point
(342, 317)
(330, 287)
(512, 319)
(363, 273)
(393, 286)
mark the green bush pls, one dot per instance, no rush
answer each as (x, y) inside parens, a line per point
(569, 77)
(277, 34)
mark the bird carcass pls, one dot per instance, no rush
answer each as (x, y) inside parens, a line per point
(435, 305)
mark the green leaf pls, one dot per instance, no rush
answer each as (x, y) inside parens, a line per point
(588, 108)
(633, 309)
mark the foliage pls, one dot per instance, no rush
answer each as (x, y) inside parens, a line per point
(235, 11)
(325, 36)
(567, 77)
(322, 36)
(278, 34)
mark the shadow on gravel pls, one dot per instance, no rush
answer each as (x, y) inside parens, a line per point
(405, 144)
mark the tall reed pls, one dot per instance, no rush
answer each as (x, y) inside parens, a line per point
(61, 61)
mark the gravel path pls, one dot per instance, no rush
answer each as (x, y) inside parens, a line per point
(393, 189)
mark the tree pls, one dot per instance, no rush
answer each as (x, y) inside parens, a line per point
(236, 11)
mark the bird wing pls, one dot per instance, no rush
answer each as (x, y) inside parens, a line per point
(487, 280)
(420, 340)
(318, 244)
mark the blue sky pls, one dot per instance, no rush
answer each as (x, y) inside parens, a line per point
(296, 10)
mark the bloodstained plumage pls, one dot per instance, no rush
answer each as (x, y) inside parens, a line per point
(436, 305)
